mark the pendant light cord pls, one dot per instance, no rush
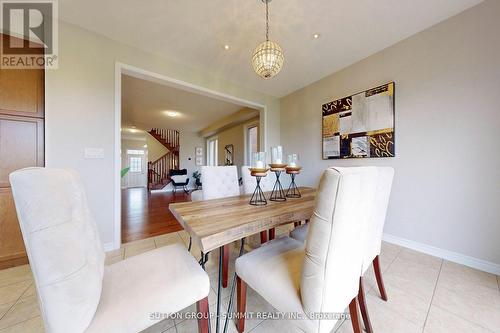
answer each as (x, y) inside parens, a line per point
(267, 21)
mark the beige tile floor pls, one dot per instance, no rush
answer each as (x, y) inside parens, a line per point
(426, 294)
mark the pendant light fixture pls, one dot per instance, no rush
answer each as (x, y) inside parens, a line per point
(268, 57)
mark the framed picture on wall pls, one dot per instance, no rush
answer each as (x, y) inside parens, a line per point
(361, 125)
(229, 155)
(198, 151)
(199, 160)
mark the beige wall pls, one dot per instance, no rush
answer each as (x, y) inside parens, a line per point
(189, 141)
(80, 110)
(446, 190)
(243, 115)
(155, 148)
(132, 144)
(236, 136)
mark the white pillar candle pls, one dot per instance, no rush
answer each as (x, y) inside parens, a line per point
(259, 164)
(277, 155)
(293, 160)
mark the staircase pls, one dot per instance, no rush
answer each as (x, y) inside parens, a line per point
(159, 170)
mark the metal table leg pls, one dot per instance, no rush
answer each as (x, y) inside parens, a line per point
(203, 259)
(230, 305)
(202, 262)
(219, 289)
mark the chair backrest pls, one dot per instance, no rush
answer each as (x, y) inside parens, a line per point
(180, 172)
(219, 182)
(63, 246)
(335, 241)
(376, 223)
(249, 182)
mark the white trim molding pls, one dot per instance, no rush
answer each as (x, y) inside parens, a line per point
(248, 159)
(121, 68)
(109, 247)
(455, 257)
(117, 227)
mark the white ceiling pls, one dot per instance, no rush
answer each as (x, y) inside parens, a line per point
(144, 103)
(193, 32)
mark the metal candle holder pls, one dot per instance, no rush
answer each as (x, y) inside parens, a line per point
(258, 197)
(278, 194)
(293, 190)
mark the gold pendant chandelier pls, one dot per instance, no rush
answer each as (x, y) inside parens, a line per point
(268, 58)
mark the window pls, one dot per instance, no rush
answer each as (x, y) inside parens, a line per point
(135, 164)
(212, 153)
(252, 142)
(135, 152)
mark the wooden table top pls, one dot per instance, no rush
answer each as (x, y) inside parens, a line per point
(214, 223)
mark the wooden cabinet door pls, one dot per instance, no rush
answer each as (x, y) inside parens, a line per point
(21, 145)
(22, 101)
(12, 251)
(22, 92)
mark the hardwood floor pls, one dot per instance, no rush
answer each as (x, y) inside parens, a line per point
(145, 215)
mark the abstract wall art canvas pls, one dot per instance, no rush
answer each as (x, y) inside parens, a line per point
(361, 125)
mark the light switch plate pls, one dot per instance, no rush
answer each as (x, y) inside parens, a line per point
(94, 153)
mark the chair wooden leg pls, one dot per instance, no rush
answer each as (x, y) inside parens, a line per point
(225, 265)
(378, 276)
(354, 312)
(241, 299)
(363, 307)
(263, 237)
(202, 309)
(272, 233)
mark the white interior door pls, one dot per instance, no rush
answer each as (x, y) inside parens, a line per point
(137, 174)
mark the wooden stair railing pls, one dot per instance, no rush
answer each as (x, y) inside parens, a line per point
(167, 137)
(159, 170)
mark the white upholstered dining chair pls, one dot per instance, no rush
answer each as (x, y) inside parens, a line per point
(322, 276)
(76, 292)
(373, 237)
(219, 182)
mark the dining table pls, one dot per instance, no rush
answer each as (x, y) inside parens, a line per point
(214, 224)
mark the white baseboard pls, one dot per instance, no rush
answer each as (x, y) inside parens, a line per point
(109, 247)
(456, 257)
(169, 188)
